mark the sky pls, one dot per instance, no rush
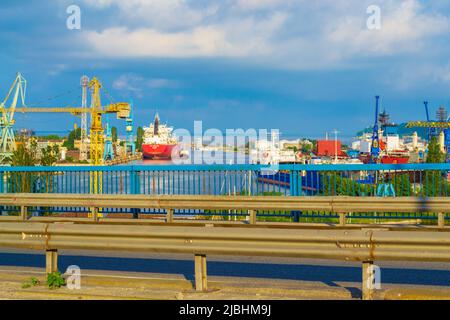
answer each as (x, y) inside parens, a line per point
(302, 67)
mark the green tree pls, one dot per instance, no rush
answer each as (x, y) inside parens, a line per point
(306, 148)
(402, 185)
(114, 134)
(139, 138)
(435, 155)
(69, 143)
(434, 183)
(25, 155)
(50, 137)
(49, 155)
(335, 185)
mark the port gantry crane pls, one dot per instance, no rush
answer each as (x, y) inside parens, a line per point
(96, 111)
(122, 109)
(108, 152)
(375, 146)
(84, 129)
(435, 127)
(440, 124)
(7, 139)
(130, 145)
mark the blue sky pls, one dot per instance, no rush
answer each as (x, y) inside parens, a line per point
(303, 67)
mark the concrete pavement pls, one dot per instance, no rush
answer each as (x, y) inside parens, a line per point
(115, 275)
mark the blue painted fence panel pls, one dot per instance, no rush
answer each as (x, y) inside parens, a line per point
(286, 180)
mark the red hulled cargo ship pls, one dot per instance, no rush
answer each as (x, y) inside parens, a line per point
(158, 141)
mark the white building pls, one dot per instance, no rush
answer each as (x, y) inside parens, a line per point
(393, 142)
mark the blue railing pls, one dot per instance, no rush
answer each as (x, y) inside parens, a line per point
(429, 180)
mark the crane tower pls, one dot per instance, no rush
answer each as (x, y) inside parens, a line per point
(84, 130)
(7, 139)
(130, 145)
(375, 148)
(96, 145)
(108, 153)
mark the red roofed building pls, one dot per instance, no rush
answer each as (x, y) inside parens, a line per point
(328, 148)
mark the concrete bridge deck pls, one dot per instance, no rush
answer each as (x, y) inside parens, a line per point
(170, 277)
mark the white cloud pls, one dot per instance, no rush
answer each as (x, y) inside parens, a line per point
(228, 40)
(250, 5)
(160, 83)
(167, 15)
(404, 29)
(56, 69)
(425, 76)
(294, 33)
(136, 84)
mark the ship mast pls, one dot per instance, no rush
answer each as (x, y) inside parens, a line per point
(156, 125)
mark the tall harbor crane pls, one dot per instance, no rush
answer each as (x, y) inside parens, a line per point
(7, 139)
(121, 109)
(427, 112)
(84, 127)
(108, 153)
(130, 145)
(432, 124)
(441, 126)
(442, 122)
(375, 147)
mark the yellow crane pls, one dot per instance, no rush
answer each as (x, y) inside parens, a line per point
(96, 111)
(429, 124)
(121, 109)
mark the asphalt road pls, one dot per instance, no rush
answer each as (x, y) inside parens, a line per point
(325, 271)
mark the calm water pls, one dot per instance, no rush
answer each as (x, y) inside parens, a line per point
(203, 157)
(169, 182)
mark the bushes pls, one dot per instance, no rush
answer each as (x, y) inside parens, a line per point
(435, 184)
(55, 280)
(336, 185)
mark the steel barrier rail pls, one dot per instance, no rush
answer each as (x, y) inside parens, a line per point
(365, 245)
(339, 205)
(168, 201)
(390, 204)
(332, 204)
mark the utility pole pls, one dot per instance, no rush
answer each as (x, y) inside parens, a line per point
(335, 145)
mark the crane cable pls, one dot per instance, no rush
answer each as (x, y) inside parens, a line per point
(63, 94)
(108, 96)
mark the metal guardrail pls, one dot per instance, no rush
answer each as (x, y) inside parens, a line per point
(252, 205)
(365, 245)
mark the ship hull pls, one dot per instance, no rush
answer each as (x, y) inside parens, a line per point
(310, 184)
(395, 159)
(386, 159)
(159, 151)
